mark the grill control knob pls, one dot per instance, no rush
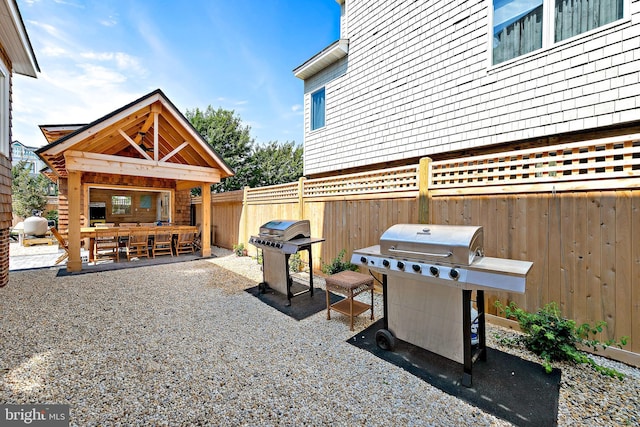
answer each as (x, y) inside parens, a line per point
(454, 274)
(278, 245)
(416, 268)
(400, 265)
(435, 272)
(386, 263)
(363, 260)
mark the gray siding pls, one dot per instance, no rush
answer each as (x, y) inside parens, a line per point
(418, 81)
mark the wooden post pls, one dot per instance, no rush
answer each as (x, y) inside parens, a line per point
(424, 175)
(206, 219)
(74, 262)
(242, 227)
(301, 198)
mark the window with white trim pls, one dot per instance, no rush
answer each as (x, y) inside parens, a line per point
(5, 144)
(522, 26)
(317, 109)
(120, 205)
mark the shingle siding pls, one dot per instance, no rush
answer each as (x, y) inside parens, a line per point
(418, 81)
(6, 208)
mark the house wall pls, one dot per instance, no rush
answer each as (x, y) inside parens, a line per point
(5, 217)
(5, 189)
(418, 81)
(21, 152)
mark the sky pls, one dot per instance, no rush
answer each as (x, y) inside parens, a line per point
(97, 56)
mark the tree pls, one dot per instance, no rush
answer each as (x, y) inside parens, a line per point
(29, 192)
(273, 164)
(254, 165)
(223, 130)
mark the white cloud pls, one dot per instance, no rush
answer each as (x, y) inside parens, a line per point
(121, 61)
(110, 21)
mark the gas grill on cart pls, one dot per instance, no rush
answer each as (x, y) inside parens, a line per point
(429, 273)
(279, 239)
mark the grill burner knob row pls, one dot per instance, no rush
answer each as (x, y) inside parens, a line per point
(400, 265)
(435, 272)
(454, 274)
(416, 268)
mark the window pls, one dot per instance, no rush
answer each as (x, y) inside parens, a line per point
(120, 205)
(573, 17)
(519, 26)
(317, 109)
(5, 145)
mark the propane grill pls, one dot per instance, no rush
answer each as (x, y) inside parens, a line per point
(279, 239)
(429, 273)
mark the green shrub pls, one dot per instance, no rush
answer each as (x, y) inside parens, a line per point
(295, 263)
(554, 338)
(338, 265)
(239, 249)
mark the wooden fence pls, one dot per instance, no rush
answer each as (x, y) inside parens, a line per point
(572, 209)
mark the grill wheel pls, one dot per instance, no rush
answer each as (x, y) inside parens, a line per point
(385, 340)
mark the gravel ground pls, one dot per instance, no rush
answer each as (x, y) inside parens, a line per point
(183, 344)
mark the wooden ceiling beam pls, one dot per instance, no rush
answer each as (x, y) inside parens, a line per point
(175, 150)
(103, 163)
(101, 130)
(187, 185)
(144, 128)
(134, 145)
(174, 139)
(155, 136)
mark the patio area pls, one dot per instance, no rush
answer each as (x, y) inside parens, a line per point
(184, 344)
(45, 256)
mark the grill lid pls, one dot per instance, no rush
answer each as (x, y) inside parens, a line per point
(283, 230)
(451, 244)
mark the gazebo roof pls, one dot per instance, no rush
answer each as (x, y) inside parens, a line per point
(55, 132)
(148, 137)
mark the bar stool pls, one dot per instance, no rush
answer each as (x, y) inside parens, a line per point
(349, 284)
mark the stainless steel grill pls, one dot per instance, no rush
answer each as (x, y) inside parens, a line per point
(279, 239)
(283, 230)
(415, 259)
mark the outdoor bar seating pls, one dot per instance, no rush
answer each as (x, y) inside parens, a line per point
(130, 239)
(107, 243)
(62, 243)
(138, 242)
(185, 242)
(163, 241)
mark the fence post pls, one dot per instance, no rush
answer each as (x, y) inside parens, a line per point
(243, 238)
(424, 175)
(301, 197)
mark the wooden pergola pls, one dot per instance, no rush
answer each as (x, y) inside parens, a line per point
(145, 144)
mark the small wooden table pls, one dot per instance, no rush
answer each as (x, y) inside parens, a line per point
(349, 284)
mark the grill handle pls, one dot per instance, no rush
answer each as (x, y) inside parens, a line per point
(447, 255)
